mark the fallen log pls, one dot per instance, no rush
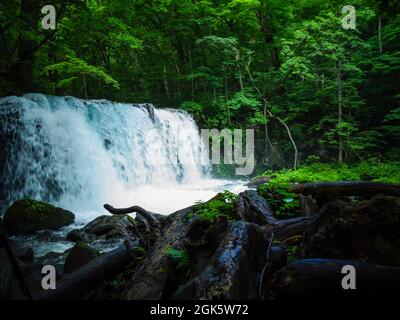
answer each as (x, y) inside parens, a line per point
(346, 188)
(288, 228)
(77, 284)
(322, 279)
(149, 216)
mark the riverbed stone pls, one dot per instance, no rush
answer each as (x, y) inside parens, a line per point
(30, 216)
(78, 256)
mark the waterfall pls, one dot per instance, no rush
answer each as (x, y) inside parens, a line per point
(80, 154)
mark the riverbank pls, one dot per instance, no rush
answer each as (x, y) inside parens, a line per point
(282, 241)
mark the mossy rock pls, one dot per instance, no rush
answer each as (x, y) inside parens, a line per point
(29, 216)
(80, 255)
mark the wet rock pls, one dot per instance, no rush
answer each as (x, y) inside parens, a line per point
(29, 216)
(27, 256)
(45, 236)
(254, 208)
(234, 270)
(105, 228)
(365, 230)
(254, 183)
(79, 256)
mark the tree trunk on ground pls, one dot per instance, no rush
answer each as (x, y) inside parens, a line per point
(346, 188)
(322, 279)
(79, 283)
(288, 228)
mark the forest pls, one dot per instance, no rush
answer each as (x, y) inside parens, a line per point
(269, 65)
(111, 215)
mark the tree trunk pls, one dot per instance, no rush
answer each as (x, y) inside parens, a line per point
(87, 278)
(323, 279)
(380, 34)
(346, 188)
(340, 110)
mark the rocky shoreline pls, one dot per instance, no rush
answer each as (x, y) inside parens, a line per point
(231, 247)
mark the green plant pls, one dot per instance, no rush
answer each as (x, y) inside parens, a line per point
(291, 254)
(285, 203)
(181, 257)
(221, 206)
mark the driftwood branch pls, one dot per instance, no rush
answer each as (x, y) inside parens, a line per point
(346, 188)
(149, 216)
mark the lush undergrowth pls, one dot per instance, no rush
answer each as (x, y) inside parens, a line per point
(287, 204)
(364, 171)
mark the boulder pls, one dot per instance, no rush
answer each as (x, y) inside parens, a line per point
(29, 216)
(105, 228)
(366, 230)
(80, 255)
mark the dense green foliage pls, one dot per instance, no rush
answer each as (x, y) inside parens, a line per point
(231, 63)
(287, 204)
(371, 170)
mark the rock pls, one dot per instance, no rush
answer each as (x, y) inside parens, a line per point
(27, 256)
(233, 272)
(254, 183)
(365, 230)
(254, 208)
(44, 236)
(79, 256)
(105, 228)
(29, 216)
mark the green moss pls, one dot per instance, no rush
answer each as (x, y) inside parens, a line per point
(221, 206)
(29, 216)
(291, 254)
(182, 262)
(285, 203)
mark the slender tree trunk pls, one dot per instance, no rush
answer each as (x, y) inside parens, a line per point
(166, 87)
(240, 73)
(380, 34)
(191, 69)
(268, 144)
(340, 109)
(85, 87)
(227, 99)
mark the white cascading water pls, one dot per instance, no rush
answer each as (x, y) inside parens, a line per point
(81, 154)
